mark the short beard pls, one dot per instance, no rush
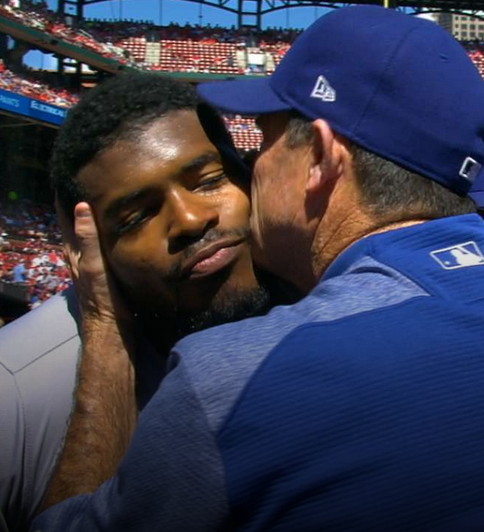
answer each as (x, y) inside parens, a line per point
(165, 329)
(238, 305)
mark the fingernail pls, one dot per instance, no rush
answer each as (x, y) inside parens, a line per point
(83, 213)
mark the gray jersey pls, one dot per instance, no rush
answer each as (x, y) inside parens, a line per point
(39, 353)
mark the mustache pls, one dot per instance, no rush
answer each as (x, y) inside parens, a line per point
(213, 235)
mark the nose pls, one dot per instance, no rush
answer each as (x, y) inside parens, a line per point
(190, 216)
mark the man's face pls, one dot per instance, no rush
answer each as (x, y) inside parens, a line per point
(277, 201)
(173, 226)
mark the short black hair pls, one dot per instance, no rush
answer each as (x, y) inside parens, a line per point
(117, 108)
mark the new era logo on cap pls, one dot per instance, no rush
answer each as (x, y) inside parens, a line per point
(323, 90)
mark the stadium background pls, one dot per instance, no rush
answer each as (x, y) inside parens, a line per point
(36, 91)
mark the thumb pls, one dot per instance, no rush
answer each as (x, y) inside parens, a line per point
(87, 236)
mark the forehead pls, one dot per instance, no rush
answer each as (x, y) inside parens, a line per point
(161, 147)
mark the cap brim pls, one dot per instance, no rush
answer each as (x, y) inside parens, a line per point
(478, 197)
(245, 97)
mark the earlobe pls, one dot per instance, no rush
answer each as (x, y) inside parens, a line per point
(314, 179)
(322, 166)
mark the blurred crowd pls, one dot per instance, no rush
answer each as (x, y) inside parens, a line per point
(37, 16)
(28, 84)
(113, 30)
(120, 40)
(30, 250)
(103, 36)
(108, 38)
(475, 50)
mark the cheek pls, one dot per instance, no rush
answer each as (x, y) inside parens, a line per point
(265, 179)
(263, 196)
(275, 186)
(130, 264)
(143, 283)
(260, 212)
(131, 269)
(234, 208)
(140, 266)
(140, 252)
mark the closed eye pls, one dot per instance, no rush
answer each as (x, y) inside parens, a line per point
(135, 220)
(212, 182)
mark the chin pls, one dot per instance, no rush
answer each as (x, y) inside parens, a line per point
(231, 304)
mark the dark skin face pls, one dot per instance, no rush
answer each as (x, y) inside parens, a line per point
(173, 226)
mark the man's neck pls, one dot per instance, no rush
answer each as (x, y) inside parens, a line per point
(159, 332)
(343, 235)
(396, 225)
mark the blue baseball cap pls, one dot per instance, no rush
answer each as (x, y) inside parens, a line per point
(398, 85)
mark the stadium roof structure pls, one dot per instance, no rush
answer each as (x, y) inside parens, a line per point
(250, 12)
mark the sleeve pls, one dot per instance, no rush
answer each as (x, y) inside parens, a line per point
(39, 353)
(46, 390)
(171, 478)
(12, 436)
(35, 405)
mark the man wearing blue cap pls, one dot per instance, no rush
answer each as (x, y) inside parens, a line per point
(360, 407)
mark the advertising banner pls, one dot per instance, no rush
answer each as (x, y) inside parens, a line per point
(46, 112)
(14, 103)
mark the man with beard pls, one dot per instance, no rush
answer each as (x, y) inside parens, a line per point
(169, 197)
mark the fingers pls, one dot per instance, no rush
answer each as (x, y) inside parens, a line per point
(93, 283)
(82, 250)
(70, 248)
(89, 249)
(97, 294)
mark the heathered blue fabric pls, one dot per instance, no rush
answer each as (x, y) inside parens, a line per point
(364, 431)
(357, 409)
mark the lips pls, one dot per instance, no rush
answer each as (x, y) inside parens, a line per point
(211, 259)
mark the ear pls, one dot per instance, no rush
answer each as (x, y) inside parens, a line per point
(327, 156)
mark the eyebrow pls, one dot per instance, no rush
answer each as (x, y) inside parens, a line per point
(199, 162)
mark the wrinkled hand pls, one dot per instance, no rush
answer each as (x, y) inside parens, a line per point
(98, 297)
(104, 415)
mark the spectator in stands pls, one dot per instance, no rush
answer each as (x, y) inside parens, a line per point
(19, 272)
(174, 215)
(113, 39)
(33, 238)
(360, 407)
(29, 86)
(246, 139)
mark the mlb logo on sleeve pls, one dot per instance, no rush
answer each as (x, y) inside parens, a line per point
(459, 256)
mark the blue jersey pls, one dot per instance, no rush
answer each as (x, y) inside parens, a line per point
(360, 408)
